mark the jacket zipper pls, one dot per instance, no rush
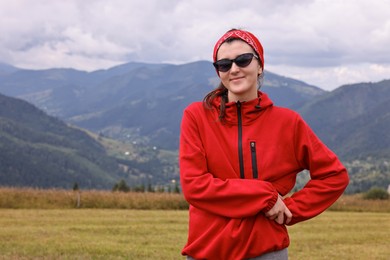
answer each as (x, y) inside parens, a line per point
(240, 154)
(254, 160)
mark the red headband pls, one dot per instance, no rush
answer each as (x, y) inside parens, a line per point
(247, 37)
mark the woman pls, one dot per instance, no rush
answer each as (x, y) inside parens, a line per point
(240, 154)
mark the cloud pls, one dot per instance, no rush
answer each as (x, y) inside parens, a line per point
(321, 42)
(329, 78)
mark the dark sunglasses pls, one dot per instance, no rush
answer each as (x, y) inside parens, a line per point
(241, 61)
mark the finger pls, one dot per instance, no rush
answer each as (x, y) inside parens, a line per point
(271, 214)
(280, 219)
(288, 216)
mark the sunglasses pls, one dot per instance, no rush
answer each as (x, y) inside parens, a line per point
(241, 61)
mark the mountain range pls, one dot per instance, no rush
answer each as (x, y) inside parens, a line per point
(143, 103)
(134, 100)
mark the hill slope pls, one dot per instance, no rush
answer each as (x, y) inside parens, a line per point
(354, 120)
(37, 150)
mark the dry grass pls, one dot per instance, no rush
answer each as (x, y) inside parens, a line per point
(28, 198)
(356, 203)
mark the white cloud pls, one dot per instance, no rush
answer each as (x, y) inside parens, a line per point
(325, 43)
(329, 78)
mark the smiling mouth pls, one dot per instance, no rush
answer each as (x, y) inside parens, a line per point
(234, 79)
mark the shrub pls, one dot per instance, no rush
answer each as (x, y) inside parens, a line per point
(376, 194)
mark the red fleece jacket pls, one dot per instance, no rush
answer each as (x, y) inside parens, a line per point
(231, 173)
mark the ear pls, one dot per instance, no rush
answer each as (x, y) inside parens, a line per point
(260, 71)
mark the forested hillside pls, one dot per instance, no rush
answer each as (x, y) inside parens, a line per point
(354, 120)
(37, 150)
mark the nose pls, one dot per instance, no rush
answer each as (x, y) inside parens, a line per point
(234, 68)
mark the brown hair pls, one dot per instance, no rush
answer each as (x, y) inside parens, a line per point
(220, 91)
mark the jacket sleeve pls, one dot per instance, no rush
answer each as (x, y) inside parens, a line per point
(233, 198)
(329, 177)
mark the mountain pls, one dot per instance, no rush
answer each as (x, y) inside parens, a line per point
(7, 69)
(38, 150)
(134, 101)
(354, 120)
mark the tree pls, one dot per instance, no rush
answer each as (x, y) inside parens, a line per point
(121, 186)
(177, 188)
(75, 186)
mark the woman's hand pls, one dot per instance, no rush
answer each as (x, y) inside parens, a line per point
(279, 212)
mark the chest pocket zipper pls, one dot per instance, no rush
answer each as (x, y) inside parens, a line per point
(254, 160)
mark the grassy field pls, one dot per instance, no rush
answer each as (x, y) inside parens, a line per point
(160, 234)
(61, 224)
(91, 234)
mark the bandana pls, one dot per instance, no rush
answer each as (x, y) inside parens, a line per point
(247, 37)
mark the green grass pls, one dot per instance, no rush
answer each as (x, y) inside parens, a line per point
(92, 234)
(160, 234)
(342, 235)
(46, 224)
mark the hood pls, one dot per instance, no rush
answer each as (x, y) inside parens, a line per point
(250, 110)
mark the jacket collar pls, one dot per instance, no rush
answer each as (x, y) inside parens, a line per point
(250, 110)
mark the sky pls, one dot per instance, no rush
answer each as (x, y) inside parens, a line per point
(325, 43)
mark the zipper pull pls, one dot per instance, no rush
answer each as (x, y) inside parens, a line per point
(253, 146)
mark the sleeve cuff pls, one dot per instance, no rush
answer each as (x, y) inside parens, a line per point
(272, 201)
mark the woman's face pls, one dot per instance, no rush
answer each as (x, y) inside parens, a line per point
(240, 82)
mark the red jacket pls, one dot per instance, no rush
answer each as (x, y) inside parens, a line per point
(231, 174)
